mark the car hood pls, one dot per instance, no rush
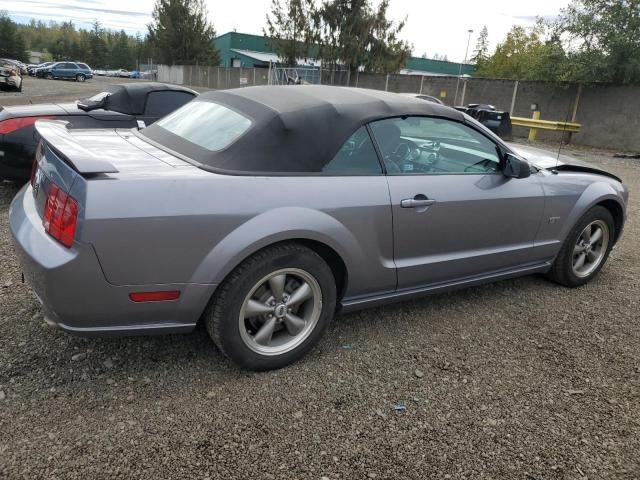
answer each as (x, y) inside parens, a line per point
(547, 160)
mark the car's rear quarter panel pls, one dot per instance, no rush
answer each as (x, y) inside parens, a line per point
(193, 226)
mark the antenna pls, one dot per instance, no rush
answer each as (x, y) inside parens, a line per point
(566, 120)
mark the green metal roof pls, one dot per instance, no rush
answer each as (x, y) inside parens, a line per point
(245, 41)
(442, 67)
(259, 43)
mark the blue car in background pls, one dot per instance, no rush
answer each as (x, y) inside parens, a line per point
(67, 70)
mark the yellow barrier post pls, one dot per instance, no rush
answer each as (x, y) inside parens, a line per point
(534, 131)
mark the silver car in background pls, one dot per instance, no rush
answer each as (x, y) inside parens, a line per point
(263, 211)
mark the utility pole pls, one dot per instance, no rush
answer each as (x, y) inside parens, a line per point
(455, 100)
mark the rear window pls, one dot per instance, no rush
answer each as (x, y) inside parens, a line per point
(208, 125)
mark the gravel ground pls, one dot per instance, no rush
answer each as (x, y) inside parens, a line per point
(516, 380)
(40, 90)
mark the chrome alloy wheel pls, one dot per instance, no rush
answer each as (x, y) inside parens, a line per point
(590, 248)
(280, 311)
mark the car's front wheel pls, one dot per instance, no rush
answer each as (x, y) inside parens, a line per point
(80, 78)
(273, 308)
(48, 76)
(586, 249)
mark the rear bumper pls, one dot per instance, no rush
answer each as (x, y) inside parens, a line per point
(13, 82)
(74, 293)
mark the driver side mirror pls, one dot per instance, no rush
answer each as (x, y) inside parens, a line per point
(515, 167)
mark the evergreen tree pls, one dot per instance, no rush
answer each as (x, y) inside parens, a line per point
(481, 52)
(97, 52)
(121, 53)
(290, 28)
(181, 34)
(12, 43)
(354, 33)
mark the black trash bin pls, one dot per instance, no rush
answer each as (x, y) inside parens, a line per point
(498, 121)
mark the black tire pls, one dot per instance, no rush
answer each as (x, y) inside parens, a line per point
(48, 76)
(562, 268)
(223, 313)
(80, 78)
(19, 89)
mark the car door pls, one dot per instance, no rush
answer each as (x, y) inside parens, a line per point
(455, 215)
(71, 70)
(62, 70)
(57, 70)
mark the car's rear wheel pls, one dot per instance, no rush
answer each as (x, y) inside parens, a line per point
(80, 78)
(585, 250)
(273, 308)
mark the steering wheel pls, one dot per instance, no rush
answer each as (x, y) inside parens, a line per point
(484, 163)
(405, 152)
(433, 147)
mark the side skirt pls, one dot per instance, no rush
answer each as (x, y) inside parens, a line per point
(127, 330)
(357, 303)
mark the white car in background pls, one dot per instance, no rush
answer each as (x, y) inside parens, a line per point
(10, 77)
(121, 72)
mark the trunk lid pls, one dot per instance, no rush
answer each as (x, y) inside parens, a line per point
(71, 160)
(92, 152)
(47, 109)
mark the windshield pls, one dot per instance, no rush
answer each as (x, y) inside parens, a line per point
(208, 125)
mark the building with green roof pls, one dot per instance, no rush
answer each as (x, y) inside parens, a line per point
(248, 51)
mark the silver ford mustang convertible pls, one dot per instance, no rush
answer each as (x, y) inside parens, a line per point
(263, 211)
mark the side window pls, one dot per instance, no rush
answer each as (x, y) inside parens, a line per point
(431, 146)
(162, 103)
(71, 66)
(356, 157)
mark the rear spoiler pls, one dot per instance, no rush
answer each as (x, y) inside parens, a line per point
(56, 134)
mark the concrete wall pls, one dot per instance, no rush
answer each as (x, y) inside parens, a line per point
(610, 115)
(218, 78)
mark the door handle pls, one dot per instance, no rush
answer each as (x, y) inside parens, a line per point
(416, 202)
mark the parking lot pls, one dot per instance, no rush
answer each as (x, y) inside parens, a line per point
(40, 90)
(521, 379)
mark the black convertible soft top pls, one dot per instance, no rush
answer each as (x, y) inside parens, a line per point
(295, 129)
(129, 98)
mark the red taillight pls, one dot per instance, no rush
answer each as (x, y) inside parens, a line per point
(13, 73)
(60, 216)
(155, 296)
(12, 124)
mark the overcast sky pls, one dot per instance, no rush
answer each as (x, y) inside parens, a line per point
(432, 27)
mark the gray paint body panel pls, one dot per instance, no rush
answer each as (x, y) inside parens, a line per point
(155, 222)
